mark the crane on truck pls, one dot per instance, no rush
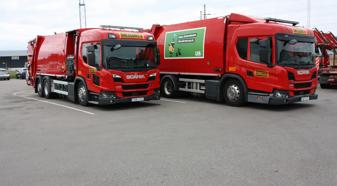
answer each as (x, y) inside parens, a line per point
(327, 47)
(238, 59)
(107, 65)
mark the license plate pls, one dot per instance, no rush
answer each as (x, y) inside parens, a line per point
(137, 99)
(303, 99)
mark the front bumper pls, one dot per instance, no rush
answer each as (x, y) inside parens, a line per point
(111, 99)
(282, 101)
(274, 100)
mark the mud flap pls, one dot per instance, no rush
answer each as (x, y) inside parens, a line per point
(213, 89)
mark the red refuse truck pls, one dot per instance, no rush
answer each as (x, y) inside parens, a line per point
(238, 59)
(327, 46)
(96, 65)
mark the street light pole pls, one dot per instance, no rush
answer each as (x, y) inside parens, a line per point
(81, 7)
(309, 14)
(204, 14)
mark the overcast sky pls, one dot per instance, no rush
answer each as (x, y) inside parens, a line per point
(22, 20)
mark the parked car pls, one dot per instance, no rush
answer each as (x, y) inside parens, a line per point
(21, 74)
(4, 75)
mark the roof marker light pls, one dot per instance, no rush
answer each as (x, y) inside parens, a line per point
(112, 36)
(150, 38)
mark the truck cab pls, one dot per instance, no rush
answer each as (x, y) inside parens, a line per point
(119, 65)
(276, 61)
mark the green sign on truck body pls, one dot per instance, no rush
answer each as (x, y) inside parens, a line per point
(184, 44)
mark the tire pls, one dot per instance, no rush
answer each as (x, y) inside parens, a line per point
(39, 88)
(168, 88)
(233, 93)
(47, 88)
(82, 94)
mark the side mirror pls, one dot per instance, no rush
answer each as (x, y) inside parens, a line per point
(91, 56)
(293, 41)
(116, 47)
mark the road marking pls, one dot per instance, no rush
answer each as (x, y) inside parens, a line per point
(52, 103)
(174, 101)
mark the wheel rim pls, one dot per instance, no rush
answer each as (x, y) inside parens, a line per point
(168, 87)
(233, 93)
(82, 93)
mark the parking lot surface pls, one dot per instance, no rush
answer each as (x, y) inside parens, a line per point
(183, 141)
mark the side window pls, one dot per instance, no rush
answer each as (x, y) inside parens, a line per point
(97, 51)
(261, 50)
(85, 52)
(242, 47)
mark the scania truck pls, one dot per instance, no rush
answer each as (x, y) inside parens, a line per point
(238, 59)
(102, 66)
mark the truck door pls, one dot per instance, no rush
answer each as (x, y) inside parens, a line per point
(91, 69)
(256, 55)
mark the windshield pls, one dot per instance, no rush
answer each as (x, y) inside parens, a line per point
(128, 58)
(295, 53)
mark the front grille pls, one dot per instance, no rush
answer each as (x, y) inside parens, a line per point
(132, 87)
(302, 85)
(300, 93)
(291, 76)
(132, 94)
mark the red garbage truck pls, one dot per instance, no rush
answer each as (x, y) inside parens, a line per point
(101, 66)
(327, 47)
(238, 59)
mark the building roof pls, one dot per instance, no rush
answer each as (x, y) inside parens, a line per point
(6, 53)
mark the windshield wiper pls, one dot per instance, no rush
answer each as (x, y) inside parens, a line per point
(305, 63)
(118, 59)
(288, 64)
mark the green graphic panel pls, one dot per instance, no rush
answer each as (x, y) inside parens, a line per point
(185, 43)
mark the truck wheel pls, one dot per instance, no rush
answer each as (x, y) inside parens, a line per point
(167, 88)
(82, 94)
(40, 88)
(233, 93)
(47, 88)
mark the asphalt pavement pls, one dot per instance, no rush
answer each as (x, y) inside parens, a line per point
(183, 141)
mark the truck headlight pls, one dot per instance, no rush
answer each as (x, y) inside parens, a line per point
(152, 76)
(116, 78)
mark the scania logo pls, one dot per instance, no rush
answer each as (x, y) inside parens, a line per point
(135, 76)
(303, 72)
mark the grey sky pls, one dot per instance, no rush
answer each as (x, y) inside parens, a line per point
(22, 20)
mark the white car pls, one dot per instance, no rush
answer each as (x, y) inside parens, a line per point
(4, 75)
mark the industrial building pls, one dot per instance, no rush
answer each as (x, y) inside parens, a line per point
(12, 59)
